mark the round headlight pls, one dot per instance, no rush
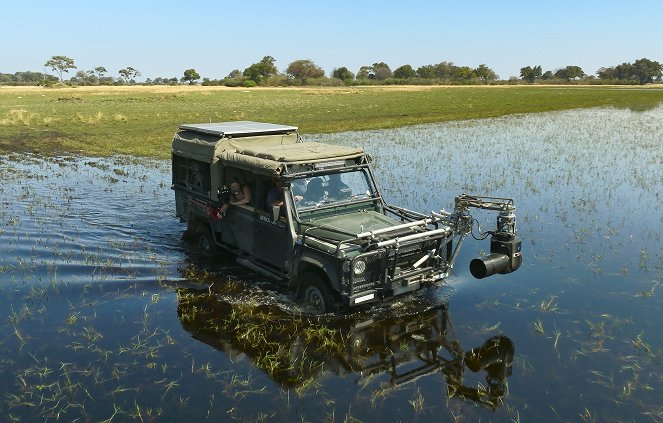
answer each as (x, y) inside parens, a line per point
(358, 267)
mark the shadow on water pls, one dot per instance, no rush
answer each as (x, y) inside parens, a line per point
(394, 347)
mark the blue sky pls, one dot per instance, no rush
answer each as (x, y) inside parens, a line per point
(165, 38)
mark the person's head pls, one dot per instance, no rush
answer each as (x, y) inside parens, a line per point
(276, 182)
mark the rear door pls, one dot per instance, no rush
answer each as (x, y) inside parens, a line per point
(239, 228)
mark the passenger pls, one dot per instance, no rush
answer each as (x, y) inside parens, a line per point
(337, 188)
(239, 194)
(275, 196)
(314, 190)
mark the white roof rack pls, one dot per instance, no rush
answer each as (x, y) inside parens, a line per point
(238, 128)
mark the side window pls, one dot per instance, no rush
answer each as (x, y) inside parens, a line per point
(245, 179)
(194, 175)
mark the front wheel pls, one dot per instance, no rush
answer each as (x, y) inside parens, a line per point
(317, 294)
(205, 241)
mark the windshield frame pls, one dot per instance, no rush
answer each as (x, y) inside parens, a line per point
(360, 179)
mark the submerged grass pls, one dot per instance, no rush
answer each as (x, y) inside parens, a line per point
(141, 120)
(104, 343)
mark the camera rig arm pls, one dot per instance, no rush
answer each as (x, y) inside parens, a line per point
(506, 219)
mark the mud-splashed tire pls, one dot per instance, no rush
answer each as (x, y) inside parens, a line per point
(316, 294)
(205, 242)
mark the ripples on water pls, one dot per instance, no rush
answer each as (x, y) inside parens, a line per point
(108, 315)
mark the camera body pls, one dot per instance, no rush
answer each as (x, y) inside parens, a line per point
(505, 256)
(223, 194)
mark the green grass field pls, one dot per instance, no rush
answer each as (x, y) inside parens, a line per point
(141, 120)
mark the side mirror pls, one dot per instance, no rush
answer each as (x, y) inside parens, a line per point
(276, 211)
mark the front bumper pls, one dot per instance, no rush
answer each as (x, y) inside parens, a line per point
(397, 286)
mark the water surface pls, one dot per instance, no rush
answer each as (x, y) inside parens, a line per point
(109, 316)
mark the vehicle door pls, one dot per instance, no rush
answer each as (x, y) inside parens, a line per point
(239, 228)
(272, 244)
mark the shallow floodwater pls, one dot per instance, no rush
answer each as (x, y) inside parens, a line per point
(107, 315)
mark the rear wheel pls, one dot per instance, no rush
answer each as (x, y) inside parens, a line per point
(205, 241)
(317, 294)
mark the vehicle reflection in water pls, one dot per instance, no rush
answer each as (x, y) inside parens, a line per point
(296, 350)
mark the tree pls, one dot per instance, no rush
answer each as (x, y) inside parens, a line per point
(82, 76)
(570, 72)
(100, 70)
(462, 73)
(343, 74)
(404, 72)
(236, 73)
(607, 74)
(530, 74)
(645, 70)
(642, 71)
(485, 74)
(444, 70)
(381, 71)
(190, 76)
(27, 78)
(426, 71)
(304, 69)
(263, 69)
(61, 64)
(624, 72)
(129, 73)
(365, 72)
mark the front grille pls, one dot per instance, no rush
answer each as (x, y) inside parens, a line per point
(373, 273)
(392, 261)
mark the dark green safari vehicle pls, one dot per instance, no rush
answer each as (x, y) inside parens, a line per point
(314, 219)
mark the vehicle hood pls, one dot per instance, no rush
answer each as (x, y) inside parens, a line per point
(354, 223)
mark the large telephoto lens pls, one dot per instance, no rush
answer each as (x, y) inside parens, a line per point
(482, 267)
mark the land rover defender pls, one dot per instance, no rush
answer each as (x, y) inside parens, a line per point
(316, 220)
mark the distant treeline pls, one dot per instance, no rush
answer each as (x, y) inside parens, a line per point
(306, 72)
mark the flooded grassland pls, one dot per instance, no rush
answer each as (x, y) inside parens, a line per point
(108, 316)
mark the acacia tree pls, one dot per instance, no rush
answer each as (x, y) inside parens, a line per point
(304, 69)
(190, 76)
(129, 73)
(61, 64)
(100, 70)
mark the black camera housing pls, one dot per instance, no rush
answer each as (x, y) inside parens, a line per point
(223, 194)
(505, 256)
